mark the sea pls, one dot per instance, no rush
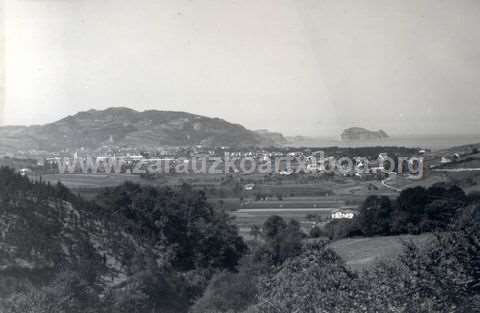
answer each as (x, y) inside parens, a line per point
(432, 142)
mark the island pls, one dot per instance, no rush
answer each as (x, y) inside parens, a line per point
(358, 133)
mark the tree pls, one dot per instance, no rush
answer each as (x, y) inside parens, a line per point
(228, 292)
(424, 210)
(282, 240)
(255, 231)
(316, 232)
(447, 272)
(338, 229)
(409, 211)
(201, 236)
(315, 281)
(273, 227)
(375, 216)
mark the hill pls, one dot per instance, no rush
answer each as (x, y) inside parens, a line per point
(272, 136)
(126, 127)
(134, 247)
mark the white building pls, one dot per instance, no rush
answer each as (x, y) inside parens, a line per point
(25, 171)
(343, 214)
(249, 187)
(445, 159)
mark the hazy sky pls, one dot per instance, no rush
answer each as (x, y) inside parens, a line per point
(309, 67)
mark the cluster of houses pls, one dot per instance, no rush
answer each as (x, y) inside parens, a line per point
(286, 161)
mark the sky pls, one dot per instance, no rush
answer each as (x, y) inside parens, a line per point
(301, 67)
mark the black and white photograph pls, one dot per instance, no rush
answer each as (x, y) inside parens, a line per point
(239, 156)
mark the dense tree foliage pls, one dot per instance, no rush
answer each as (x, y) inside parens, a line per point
(278, 242)
(282, 240)
(444, 277)
(48, 262)
(143, 249)
(135, 249)
(229, 292)
(375, 216)
(199, 235)
(416, 210)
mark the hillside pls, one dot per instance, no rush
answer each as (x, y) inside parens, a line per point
(46, 231)
(364, 253)
(126, 127)
(132, 248)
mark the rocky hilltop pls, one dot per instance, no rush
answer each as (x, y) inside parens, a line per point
(358, 133)
(275, 137)
(127, 127)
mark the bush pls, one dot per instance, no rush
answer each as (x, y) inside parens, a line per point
(443, 277)
(228, 292)
(202, 236)
(282, 241)
(416, 210)
(317, 232)
(338, 229)
(316, 281)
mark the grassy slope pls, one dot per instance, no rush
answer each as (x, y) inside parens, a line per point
(361, 253)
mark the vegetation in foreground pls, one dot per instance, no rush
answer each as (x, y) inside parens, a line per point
(416, 210)
(141, 249)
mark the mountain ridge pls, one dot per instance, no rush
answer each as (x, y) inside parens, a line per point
(127, 127)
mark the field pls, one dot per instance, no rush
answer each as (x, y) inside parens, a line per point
(302, 198)
(361, 253)
(304, 210)
(305, 199)
(79, 181)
